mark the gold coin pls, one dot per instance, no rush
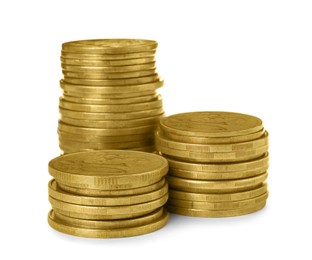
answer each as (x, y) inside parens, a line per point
(110, 101)
(124, 56)
(104, 146)
(111, 108)
(115, 69)
(106, 132)
(109, 224)
(113, 82)
(152, 86)
(105, 139)
(109, 96)
(214, 213)
(224, 197)
(106, 63)
(101, 76)
(200, 186)
(211, 124)
(112, 193)
(56, 193)
(108, 212)
(228, 205)
(221, 167)
(217, 175)
(111, 124)
(107, 233)
(205, 157)
(108, 169)
(110, 46)
(212, 148)
(111, 116)
(212, 140)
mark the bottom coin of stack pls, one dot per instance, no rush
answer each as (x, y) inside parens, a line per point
(218, 163)
(107, 194)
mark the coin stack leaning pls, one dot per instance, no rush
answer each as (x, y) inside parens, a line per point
(108, 193)
(110, 98)
(218, 163)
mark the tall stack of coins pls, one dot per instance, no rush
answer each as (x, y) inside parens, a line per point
(108, 193)
(218, 163)
(110, 98)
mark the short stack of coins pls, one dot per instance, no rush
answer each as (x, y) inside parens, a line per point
(110, 98)
(218, 163)
(108, 193)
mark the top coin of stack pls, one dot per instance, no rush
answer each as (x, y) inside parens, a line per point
(109, 95)
(218, 163)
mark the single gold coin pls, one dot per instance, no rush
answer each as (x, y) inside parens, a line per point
(105, 139)
(212, 148)
(200, 186)
(106, 132)
(111, 101)
(217, 175)
(101, 76)
(108, 212)
(57, 193)
(159, 111)
(227, 205)
(111, 124)
(110, 46)
(152, 86)
(211, 124)
(220, 167)
(214, 213)
(124, 56)
(106, 63)
(103, 70)
(212, 140)
(109, 96)
(104, 146)
(207, 157)
(107, 233)
(111, 108)
(109, 224)
(112, 193)
(224, 197)
(108, 169)
(112, 82)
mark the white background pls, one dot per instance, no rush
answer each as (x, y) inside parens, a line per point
(252, 57)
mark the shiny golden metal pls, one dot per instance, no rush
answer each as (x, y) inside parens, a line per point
(222, 197)
(212, 140)
(229, 186)
(113, 82)
(225, 205)
(110, 46)
(109, 212)
(220, 167)
(101, 76)
(211, 124)
(58, 194)
(124, 56)
(107, 233)
(214, 213)
(213, 148)
(111, 116)
(112, 193)
(110, 89)
(110, 169)
(110, 224)
(120, 108)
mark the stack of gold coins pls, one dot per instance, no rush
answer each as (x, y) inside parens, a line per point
(218, 163)
(110, 98)
(108, 193)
